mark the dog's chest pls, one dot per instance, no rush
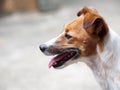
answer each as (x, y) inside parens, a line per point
(108, 79)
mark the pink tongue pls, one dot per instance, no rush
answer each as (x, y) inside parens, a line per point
(55, 59)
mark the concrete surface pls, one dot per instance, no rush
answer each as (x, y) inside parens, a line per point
(24, 67)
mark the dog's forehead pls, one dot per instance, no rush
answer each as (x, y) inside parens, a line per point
(76, 23)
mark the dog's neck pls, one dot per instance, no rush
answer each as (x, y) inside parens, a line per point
(105, 61)
(102, 57)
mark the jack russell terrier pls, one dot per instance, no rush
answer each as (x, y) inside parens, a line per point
(88, 39)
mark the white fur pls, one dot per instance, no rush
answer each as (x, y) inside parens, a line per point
(52, 41)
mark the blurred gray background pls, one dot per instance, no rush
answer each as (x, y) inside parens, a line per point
(25, 24)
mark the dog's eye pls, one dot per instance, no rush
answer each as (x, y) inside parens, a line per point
(68, 36)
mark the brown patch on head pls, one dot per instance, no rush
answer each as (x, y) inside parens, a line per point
(94, 24)
(85, 32)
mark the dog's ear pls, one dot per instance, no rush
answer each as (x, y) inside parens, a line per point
(93, 23)
(85, 10)
(96, 26)
(82, 11)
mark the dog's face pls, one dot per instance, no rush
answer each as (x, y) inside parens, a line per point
(78, 39)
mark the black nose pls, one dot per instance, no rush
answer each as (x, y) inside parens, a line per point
(42, 47)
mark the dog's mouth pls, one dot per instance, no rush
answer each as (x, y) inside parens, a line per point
(63, 57)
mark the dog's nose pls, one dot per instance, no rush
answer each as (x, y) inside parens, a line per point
(42, 47)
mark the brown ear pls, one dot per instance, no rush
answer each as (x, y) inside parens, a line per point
(93, 23)
(85, 10)
(96, 26)
(82, 11)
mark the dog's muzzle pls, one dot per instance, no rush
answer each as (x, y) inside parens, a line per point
(50, 50)
(61, 55)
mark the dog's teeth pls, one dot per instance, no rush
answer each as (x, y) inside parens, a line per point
(55, 63)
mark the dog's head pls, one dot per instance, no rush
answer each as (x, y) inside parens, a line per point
(78, 39)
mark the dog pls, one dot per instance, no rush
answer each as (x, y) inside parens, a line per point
(88, 39)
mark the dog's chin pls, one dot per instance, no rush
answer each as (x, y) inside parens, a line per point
(64, 58)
